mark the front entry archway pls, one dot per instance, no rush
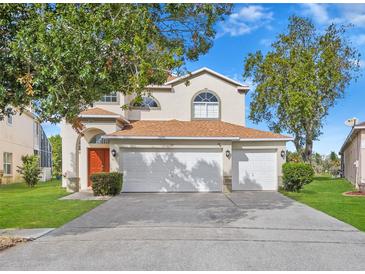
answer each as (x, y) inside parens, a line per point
(98, 161)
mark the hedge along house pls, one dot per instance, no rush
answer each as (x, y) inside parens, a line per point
(181, 138)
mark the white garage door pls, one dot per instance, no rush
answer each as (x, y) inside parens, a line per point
(254, 169)
(171, 170)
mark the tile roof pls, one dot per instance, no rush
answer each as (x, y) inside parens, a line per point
(171, 77)
(102, 113)
(97, 111)
(175, 128)
(360, 124)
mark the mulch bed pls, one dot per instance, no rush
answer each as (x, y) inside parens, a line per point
(354, 194)
(6, 242)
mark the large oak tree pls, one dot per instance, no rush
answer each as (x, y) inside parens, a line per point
(60, 58)
(300, 79)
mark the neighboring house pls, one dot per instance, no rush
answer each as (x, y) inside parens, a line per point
(353, 155)
(188, 135)
(23, 135)
(43, 149)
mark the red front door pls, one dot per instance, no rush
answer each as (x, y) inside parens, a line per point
(98, 161)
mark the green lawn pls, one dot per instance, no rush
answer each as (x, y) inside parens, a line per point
(24, 207)
(325, 194)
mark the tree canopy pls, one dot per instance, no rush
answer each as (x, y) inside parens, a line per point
(300, 79)
(60, 58)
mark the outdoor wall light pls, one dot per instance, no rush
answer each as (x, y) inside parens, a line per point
(228, 154)
(282, 154)
(114, 152)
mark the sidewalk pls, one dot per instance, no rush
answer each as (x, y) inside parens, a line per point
(29, 234)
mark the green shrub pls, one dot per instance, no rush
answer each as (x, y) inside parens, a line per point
(30, 169)
(295, 175)
(105, 183)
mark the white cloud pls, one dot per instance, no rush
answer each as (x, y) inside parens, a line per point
(320, 13)
(252, 13)
(245, 20)
(359, 40)
(265, 42)
(354, 14)
(317, 11)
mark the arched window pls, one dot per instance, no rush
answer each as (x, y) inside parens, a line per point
(206, 106)
(97, 139)
(146, 102)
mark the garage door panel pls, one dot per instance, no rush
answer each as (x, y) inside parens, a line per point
(171, 170)
(254, 170)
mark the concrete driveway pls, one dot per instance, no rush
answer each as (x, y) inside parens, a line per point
(242, 231)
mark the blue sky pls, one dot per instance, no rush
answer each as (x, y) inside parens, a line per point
(253, 27)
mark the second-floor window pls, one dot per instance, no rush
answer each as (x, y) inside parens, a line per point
(146, 103)
(110, 98)
(206, 106)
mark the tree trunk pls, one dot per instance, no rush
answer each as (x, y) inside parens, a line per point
(298, 147)
(308, 150)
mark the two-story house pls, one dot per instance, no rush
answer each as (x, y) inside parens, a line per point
(188, 135)
(23, 135)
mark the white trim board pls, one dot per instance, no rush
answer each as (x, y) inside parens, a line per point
(194, 138)
(238, 84)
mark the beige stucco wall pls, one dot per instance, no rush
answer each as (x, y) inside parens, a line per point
(70, 137)
(18, 140)
(71, 157)
(176, 103)
(115, 162)
(112, 106)
(279, 146)
(355, 151)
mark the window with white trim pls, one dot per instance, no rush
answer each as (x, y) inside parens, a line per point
(7, 163)
(110, 98)
(206, 106)
(98, 139)
(146, 102)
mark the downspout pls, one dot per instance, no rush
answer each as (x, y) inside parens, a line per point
(357, 162)
(360, 182)
(77, 154)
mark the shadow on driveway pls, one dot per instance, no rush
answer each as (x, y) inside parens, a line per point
(186, 231)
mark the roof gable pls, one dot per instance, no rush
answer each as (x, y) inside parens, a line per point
(211, 72)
